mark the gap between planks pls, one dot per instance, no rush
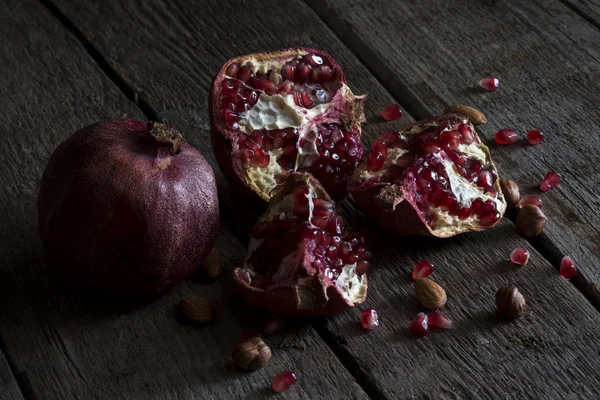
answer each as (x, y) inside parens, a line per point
(392, 81)
(21, 378)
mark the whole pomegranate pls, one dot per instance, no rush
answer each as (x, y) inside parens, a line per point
(302, 260)
(283, 111)
(128, 208)
(434, 177)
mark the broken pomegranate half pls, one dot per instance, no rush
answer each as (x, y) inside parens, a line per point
(434, 177)
(302, 260)
(283, 111)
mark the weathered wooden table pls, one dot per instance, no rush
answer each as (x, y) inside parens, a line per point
(65, 64)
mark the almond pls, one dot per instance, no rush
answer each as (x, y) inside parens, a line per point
(476, 116)
(430, 294)
(212, 263)
(196, 308)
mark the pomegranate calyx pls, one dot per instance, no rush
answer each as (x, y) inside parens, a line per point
(165, 135)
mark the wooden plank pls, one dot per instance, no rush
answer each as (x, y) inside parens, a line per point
(9, 389)
(587, 9)
(68, 345)
(551, 350)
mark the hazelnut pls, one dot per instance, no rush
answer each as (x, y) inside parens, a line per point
(476, 116)
(430, 294)
(511, 192)
(196, 309)
(530, 220)
(212, 263)
(510, 302)
(251, 354)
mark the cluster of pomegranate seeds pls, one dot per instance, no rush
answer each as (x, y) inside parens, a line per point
(551, 180)
(420, 325)
(519, 256)
(440, 320)
(392, 112)
(273, 325)
(423, 269)
(369, 319)
(505, 136)
(567, 268)
(254, 148)
(531, 199)
(534, 136)
(283, 380)
(489, 83)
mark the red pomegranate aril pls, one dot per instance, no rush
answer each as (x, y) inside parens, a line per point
(464, 213)
(302, 72)
(423, 269)
(505, 136)
(392, 112)
(369, 319)
(362, 267)
(273, 325)
(519, 256)
(440, 320)
(420, 325)
(232, 70)
(287, 72)
(431, 147)
(230, 116)
(531, 199)
(484, 179)
(551, 180)
(534, 136)
(283, 380)
(489, 83)
(567, 268)
(466, 133)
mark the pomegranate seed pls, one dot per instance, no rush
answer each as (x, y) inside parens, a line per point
(534, 136)
(362, 267)
(283, 380)
(273, 325)
(369, 319)
(484, 179)
(422, 270)
(439, 319)
(420, 325)
(519, 256)
(532, 199)
(489, 83)
(505, 136)
(567, 268)
(552, 179)
(392, 113)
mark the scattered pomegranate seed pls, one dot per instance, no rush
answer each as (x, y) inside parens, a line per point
(273, 325)
(369, 319)
(552, 179)
(392, 113)
(439, 319)
(420, 325)
(283, 380)
(532, 199)
(519, 256)
(505, 136)
(567, 268)
(489, 83)
(422, 270)
(534, 136)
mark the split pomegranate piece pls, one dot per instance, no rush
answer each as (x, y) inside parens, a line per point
(567, 268)
(302, 260)
(420, 325)
(531, 199)
(534, 136)
(283, 380)
(434, 177)
(423, 269)
(551, 180)
(283, 111)
(489, 83)
(440, 320)
(392, 112)
(505, 136)
(369, 319)
(519, 256)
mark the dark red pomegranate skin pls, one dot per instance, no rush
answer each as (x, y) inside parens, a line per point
(125, 213)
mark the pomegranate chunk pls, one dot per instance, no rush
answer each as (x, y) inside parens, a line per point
(420, 325)
(519, 256)
(505, 136)
(283, 380)
(392, 113)
(369, 319)
(534, 136)
(489, 83)
(551, 180)
(423, 269)
(532, 199)
(439, 319)
(567, 268)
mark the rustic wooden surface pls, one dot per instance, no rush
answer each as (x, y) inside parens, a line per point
(9, 389)
(164, 55)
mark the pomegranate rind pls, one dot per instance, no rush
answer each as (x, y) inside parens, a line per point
(308, 292)
(347, 107)
(394, 207)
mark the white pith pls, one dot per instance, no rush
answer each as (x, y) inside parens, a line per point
(350, 285)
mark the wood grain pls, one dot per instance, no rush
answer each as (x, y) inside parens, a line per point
(9, 389)
(73, 346)
(553, 349)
